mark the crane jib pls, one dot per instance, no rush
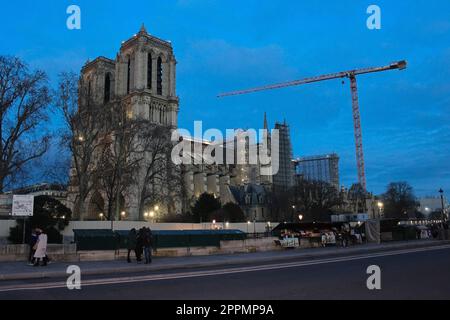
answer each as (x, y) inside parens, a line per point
(345, 74)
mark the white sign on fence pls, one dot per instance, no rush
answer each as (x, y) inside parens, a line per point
(22, 205)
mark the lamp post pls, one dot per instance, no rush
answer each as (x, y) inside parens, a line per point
(293, 213)
(442, 205)
(380, 209)
(300, 217)
(156, 212)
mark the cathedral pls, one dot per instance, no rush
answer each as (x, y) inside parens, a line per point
(142, 77)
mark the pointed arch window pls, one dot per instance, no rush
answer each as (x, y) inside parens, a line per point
(159, 76)
(149, 70)
(128, 74)
(107, 88)
(89, 93)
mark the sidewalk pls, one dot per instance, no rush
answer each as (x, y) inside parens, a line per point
(22, 271)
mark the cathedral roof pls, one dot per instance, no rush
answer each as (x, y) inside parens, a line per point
(97, 60)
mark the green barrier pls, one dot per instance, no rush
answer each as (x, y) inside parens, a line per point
(95, 239)
(113, 240)
(404, 233)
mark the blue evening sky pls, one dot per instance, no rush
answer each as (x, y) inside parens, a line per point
(226, 45)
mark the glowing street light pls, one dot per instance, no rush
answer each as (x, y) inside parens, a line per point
(380, 208)
(300, 217)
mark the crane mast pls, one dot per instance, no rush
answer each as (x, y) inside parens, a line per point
(351, 74)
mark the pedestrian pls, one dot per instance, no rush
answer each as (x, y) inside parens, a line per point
(131, 243)
(33, 241)
(41, 248)
(147, 242)
(323, 239)
(139, 245)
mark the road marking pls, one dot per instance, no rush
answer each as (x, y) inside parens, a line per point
(195, 274)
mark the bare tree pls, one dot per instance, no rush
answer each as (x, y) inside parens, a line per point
(84, 127)
(279, 203)
(399, 201)
(57, 167)
(357, 195)
(24, 100)
(315, 199)
(118, 159)
(155, 177)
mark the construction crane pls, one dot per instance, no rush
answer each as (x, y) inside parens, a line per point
(400, 65)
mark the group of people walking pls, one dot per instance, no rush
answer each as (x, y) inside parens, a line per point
(38, 248)
(141, 243)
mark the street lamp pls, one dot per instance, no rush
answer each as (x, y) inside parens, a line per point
(380, 208)
(101, 215)
(300, 217)
(442, 205)
(123, 214)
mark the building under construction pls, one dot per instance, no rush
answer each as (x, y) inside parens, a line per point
(319, 168)
(284, 179)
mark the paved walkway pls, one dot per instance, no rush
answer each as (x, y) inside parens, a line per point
(22, 271)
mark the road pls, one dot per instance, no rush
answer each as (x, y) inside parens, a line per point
(405, 274)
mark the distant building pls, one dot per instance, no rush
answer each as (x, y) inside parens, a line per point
(56, 191)
(253, 200)
(284, 179)
(431, 204)
(350, 217)
(319, 168)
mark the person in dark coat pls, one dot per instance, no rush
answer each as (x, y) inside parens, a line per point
(131, 243)
(147, 242)
(139, 244)
(33, 241)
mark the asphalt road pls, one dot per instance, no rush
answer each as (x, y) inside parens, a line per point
(406, 274)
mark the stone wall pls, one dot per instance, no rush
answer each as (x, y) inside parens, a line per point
(19, 252)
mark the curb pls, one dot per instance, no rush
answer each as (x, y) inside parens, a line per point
(301, 256)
